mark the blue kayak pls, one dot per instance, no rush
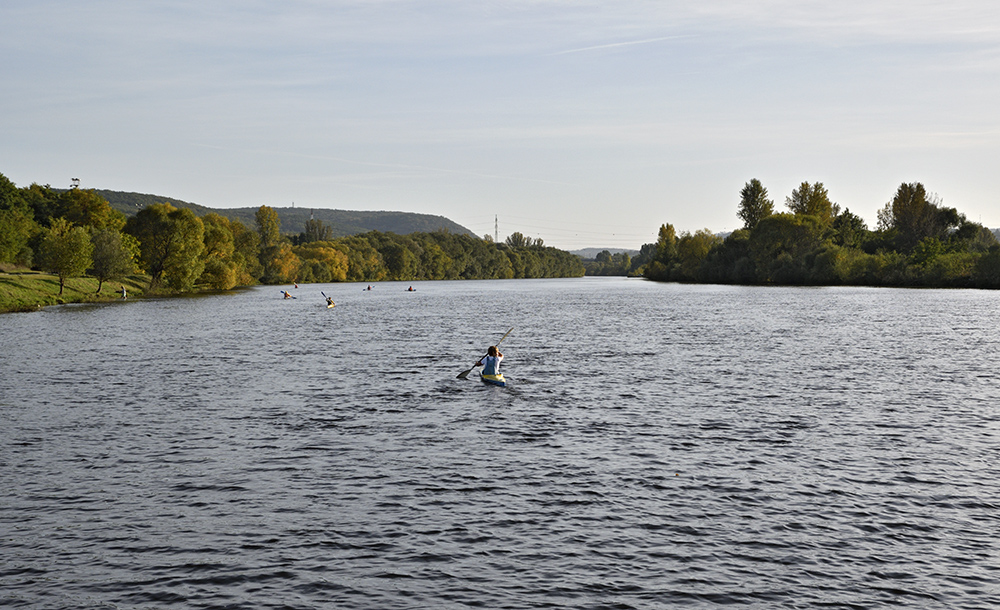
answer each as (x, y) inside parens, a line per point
(494, 380)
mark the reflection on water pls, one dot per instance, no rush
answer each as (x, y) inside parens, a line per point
(659, 445)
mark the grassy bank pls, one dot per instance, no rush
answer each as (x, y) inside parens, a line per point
(26, 290)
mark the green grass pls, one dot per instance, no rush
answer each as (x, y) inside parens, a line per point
(26, 290)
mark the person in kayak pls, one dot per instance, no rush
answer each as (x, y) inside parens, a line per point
(329, 302)
(491, 361)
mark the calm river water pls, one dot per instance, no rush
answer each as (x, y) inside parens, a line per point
(658, 446)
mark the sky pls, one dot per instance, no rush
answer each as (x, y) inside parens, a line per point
(584, 124)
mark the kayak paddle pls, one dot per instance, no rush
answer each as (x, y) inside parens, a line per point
(465, 374)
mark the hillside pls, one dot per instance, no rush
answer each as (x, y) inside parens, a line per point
(293, 220)
(590, 253)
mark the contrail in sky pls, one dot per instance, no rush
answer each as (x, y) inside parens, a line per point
(618, 44)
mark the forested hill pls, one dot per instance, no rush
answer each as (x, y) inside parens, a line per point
(293, 220)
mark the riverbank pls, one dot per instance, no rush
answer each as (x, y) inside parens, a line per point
(26, 290)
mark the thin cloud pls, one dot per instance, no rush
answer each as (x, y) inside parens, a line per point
(618, 44)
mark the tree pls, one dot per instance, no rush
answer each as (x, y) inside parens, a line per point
(400, 262)
(812, 200)
(517, 240)
(17, 223)
(280, 264)
(692, 250)
(113, 256)
(246, 254)
(220, 269)
(912, 216)
(16, 229)
(268, 226)
(754, 204)
(666, 254)
(65, 250)
(849, 230)
(780, 245)
(639, 262)
(316, 231)
(333, 261)
(171, 241)
(88, 209)
(273, 257)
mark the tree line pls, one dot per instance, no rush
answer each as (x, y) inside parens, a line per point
(76, 232)
(918, 242)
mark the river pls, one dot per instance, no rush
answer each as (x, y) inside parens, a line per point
(658, 446)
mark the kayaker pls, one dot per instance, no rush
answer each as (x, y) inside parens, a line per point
(287, 295)
(329, 301)
(491, 361)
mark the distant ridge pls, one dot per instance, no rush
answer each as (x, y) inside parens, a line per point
(293, 220)
(590, 253)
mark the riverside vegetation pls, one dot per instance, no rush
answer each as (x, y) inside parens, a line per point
(918, 242)
(80, 243)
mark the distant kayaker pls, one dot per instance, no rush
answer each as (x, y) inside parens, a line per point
(410, 289)
(329, 302)
(287, 295)
(491, 361)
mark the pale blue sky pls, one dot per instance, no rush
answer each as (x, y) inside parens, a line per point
(582, 123)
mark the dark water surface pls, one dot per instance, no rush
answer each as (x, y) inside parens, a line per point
(659, 446)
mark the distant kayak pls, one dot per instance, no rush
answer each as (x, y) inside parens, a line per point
(331, 305)
(494, 380)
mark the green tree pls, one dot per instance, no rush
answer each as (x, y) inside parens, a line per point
(316, 231)
(399, 260)
(42, 201)
(638, 265)
(517, 240)
(274, 256)
(849, 230)
(246, 254)
(692, 250)
(16, 228)
(88, 209)
(666, 254)
(986, 273)
(754, 204)
(731, 261)
(220, 269)
(912, 216)
(65, 251)
(812, 200)
(171, 241)
(268, 226)
(781, 245)
(17, 224)
(113, 255)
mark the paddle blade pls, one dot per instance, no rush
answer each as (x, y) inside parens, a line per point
(465, 374)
